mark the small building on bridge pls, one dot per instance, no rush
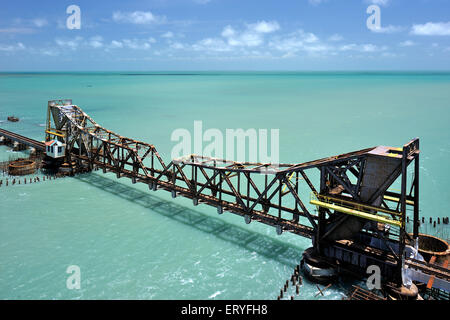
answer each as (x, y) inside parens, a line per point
(55, 149)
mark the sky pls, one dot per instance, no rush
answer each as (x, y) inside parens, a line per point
(297, 35)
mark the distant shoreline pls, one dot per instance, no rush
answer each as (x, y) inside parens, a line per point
(227, 73)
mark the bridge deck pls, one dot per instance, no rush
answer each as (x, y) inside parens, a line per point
(38, 145)
(422, 271)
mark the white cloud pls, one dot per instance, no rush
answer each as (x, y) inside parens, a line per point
(316, 2)
(17, 30)
(116, 44)
(299, 41)
(347, 47)
(71, 44)
(211, 44)
(177, 45)
(228, 31)
(40, 22)
(368, 48)
(13, 47)
(362, 47)
(168, 35)
(96, 42)
(49, 52)
(407, 43)
(135, 44)
(138, 44)
(252, 36)
(431, 29)
(388, 29)
(251, 40)
(264, 26)
(246, 39)
(310, 38)
(138, 17)
(336, 37)
(378, 2)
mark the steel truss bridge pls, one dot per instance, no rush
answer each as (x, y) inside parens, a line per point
(351, 196)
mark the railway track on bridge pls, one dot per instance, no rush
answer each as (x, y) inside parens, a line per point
(38, 145)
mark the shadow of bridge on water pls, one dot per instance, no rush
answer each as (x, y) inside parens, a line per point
(282, 252)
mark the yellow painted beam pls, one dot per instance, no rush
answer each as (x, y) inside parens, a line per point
(394, 199)
(55, 133)
(357, 205)
(394, 155)
(285, 185)
(356, 213)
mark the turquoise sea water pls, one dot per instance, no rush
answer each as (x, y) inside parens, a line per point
(134, 244)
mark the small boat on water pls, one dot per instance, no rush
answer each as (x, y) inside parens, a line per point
(13, 119)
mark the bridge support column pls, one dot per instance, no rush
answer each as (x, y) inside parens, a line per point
(279, 230)
(321, 216)
(416, 197)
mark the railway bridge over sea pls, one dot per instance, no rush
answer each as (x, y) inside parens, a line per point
(358, 220)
